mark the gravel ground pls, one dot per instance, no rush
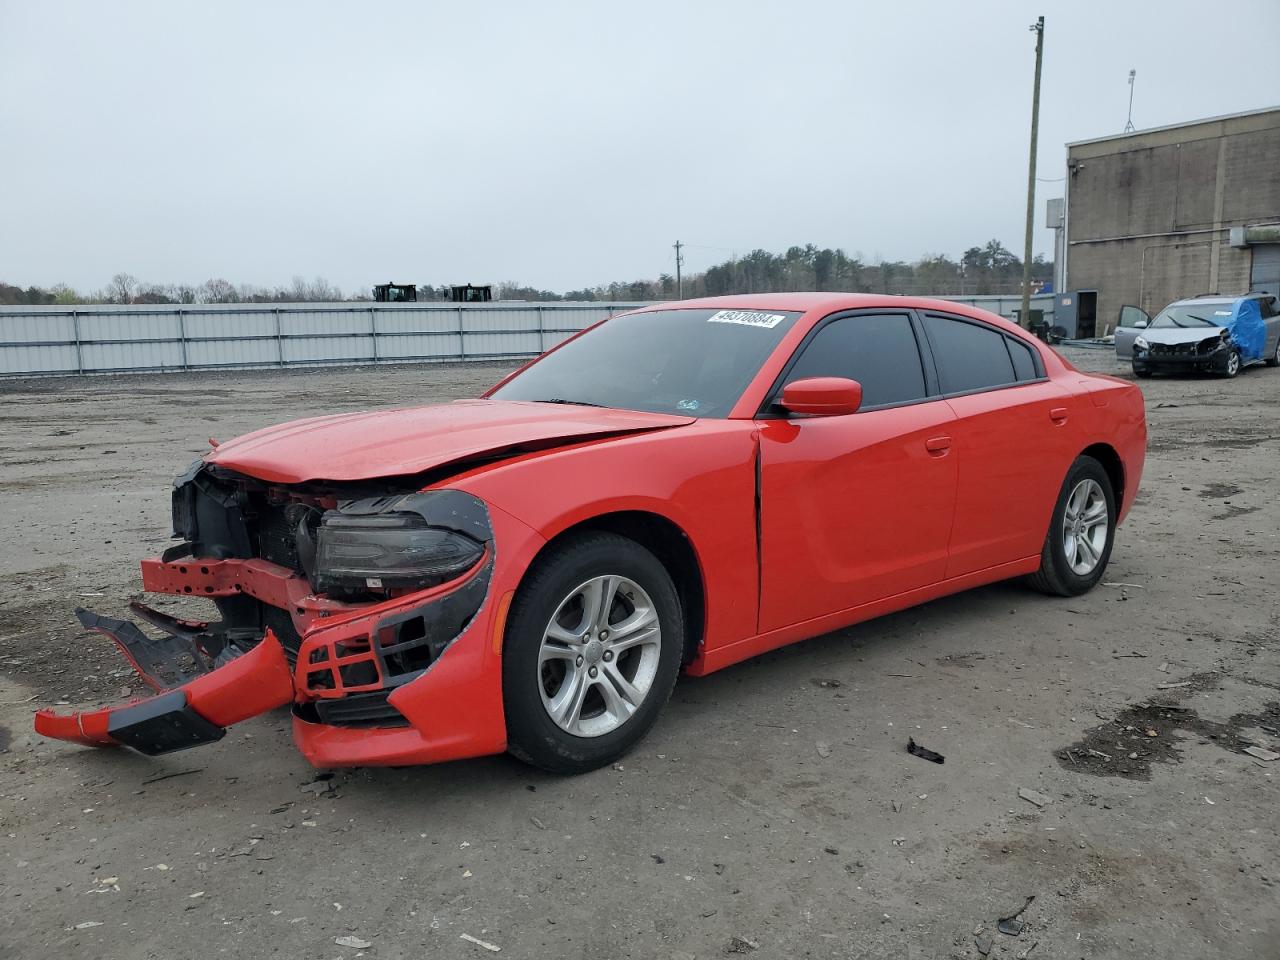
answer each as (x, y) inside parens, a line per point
(773, 810)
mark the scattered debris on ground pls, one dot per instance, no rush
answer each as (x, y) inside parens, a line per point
(1033, 796)
(923, 753)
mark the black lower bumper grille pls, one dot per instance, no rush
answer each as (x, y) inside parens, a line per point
(360, 710)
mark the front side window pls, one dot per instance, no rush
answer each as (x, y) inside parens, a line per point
(877, 350)
(694, 362)
(969, 356)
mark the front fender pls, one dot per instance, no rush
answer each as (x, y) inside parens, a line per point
(700, 477)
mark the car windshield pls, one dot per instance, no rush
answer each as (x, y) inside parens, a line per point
(695, 362)
(1212, 314)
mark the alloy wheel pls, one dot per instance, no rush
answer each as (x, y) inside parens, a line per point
(599, 656)
(1085, 526)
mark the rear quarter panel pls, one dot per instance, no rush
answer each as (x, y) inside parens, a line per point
(1116, 414)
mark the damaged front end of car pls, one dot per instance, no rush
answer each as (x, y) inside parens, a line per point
(340, 599)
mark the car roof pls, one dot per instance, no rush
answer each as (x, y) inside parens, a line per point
(813, 302)
(1217, 298)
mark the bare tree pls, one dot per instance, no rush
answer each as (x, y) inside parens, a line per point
(122, 287)
(218, 291)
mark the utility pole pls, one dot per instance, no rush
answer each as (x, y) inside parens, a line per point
(1025, 316)
(679, 264)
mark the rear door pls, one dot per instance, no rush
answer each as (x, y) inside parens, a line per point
(1014, 440)
(856, 508)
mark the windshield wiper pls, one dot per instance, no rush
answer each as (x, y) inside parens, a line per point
(573, 403)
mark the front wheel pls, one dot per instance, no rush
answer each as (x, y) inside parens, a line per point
(591, 654)
(1141, 372)
(1078, 545)
(1232, 366)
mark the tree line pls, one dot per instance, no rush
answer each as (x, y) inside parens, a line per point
(988, 269)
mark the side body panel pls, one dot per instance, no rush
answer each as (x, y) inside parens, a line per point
(853, 508)
(1014, 447)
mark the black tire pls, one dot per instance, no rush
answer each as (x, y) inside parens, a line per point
(532, 735)
(1231, 366)
(1274, 359)
(1055, 576)
(1142, 372)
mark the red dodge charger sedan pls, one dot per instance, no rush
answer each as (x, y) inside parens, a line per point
(681, 487)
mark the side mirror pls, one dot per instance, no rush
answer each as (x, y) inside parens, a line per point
(822, 396)
(1135, 317)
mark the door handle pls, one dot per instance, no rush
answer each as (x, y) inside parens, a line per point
(938, 445)
(1058, 415)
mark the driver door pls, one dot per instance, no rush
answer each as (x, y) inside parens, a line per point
(859, 507)
(1133, 321)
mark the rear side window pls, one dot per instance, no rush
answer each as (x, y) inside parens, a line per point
(877, 350)
(1024, 365)
(969, 356)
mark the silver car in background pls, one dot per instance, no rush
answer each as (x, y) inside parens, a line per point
(1194, 335)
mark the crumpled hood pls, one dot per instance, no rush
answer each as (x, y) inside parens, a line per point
(388, 443)
(1179, 334)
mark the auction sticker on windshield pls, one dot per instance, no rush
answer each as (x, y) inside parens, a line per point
(747, 318)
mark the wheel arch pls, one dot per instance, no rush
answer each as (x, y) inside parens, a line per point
(1107, 455)
(667, 541)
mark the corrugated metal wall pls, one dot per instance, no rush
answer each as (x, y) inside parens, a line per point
(117, 339)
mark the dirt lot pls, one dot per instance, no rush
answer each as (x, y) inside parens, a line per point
(773, 811)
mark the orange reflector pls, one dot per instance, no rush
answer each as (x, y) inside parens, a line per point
(500, 621)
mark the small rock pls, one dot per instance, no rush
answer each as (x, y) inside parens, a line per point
(741, 945)
(983, 942)
(824, 749)
(537, 823)
(353, 942)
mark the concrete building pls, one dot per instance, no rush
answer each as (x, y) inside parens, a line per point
(1173, 212)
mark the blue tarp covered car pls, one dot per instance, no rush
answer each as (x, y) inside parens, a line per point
(1217, 334)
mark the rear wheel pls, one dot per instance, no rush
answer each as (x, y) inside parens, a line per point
(1081, 532)
(591, 654)
(1274, 359)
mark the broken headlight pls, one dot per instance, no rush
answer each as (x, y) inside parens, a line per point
(356, 553)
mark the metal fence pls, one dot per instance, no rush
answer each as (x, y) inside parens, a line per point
(118, 339)
(47, 341)
(1010, 305)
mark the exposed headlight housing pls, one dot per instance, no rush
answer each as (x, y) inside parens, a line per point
(1140, 343)
(396, 543)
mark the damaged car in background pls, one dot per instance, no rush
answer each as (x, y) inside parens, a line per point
(1209, 334)
(680, 487)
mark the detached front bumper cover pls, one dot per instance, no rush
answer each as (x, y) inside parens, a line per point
(199, 711)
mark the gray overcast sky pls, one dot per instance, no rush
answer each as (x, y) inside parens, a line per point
(563, 144)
